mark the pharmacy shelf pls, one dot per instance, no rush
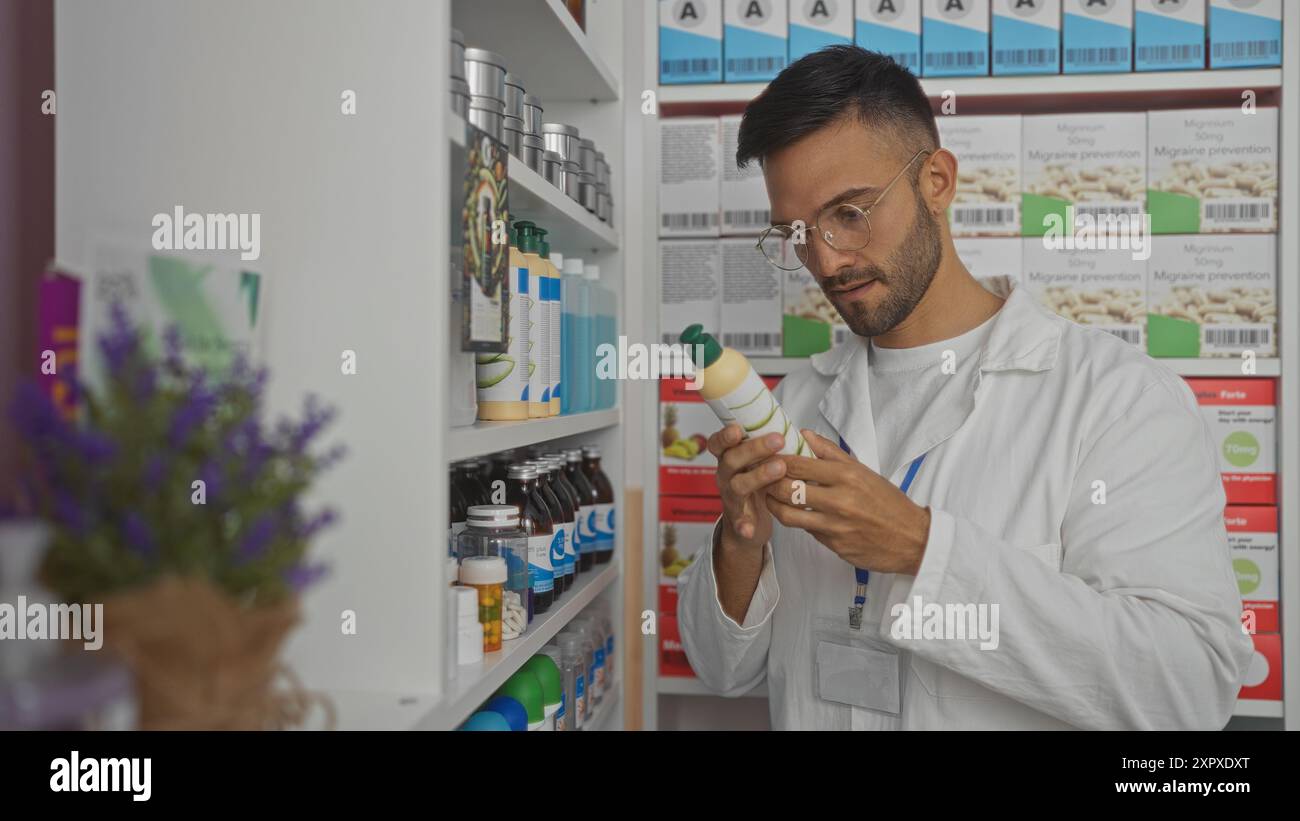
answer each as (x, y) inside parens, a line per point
(1055, 85)
(571, 228)
(684, 686)
(1226, 368)
(542, 45)
(475, 683)
(483, 438)
(1254, 708)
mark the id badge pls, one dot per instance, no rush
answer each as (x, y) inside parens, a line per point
(855, 669)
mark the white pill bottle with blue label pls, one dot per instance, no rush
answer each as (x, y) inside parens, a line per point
(737, 394)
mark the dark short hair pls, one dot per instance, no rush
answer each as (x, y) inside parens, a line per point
(829, 85)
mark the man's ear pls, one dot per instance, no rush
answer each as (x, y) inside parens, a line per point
(939, 180)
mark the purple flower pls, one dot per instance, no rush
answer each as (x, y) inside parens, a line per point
(95, 449)
(315, 418)
(192, 413)
(213, 482)
(301, 576)
(35, 416)
(257, 538)
(172, 345)
(120, 343)
(71, 513)
(155, 470)
(308, 529)
(138, 535)
(144, 384)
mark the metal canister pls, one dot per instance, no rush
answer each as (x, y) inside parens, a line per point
(514, 140)
(533, 148)
(514, 97)
(563, 139)
(486, 73)
(488, 115)
(460, 96)
(587, 174)
(552, 164)
(602, 202)
(532, 115)
(458, 55)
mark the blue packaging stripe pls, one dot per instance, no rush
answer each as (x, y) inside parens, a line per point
(1239, 39)
(1164, 43)
(540, 579)
(751, 56)
(1094, 46)
(953, 51)
(806, 40)
(688, 58)
(903, 46)
(1020, 47)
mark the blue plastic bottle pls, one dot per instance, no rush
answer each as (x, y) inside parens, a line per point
(572, 284)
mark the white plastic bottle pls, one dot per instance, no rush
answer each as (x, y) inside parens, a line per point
(539, 322)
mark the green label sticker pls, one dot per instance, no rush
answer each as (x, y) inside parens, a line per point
(1248, 575)
(1034, 211)
(1241, 449)
(1171, 337)
(1173, 213)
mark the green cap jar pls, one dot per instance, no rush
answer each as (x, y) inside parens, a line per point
(548, 675)
(529, 239)
(695, 335)
(524, 688)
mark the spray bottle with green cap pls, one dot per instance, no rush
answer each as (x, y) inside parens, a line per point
(539, 321)
(736, 393)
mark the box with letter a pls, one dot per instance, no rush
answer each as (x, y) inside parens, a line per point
(893, 28)
(754, 40)
(1096, 36)
(816, 24)
(690, 41)
(955, 38)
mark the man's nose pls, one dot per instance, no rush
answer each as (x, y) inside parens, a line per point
(823, 260)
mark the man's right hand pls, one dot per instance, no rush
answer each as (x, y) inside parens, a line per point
(745, 469)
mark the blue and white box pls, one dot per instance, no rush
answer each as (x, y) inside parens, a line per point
(816, 24)
(754, 40)
(690, 41)
(1026, 36)
(1245, 33)
(955, 38)
(893, 28)
(1097, 36)
(1168, 35)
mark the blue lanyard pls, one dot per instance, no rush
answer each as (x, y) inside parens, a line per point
(863, 576)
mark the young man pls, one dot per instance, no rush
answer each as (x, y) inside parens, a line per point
(1059, 556)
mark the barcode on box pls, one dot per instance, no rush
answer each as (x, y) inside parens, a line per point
(747, 217)
(700, 65)
(1132, 336)
(682, 222)
(1239, 212)
(1242, 336)
(955, 59)
(751, 341)
(754, 65)
(1025, 56)
(906, 59)
(1097, 56)
(1104, 210)
(1170, 54)
(1247, 49)
(988, 216)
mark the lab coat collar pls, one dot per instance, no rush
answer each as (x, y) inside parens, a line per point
(1024, 337)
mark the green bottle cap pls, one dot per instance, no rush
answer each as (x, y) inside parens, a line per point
(527, 233)
(695, 335)
(543, 247)
(548, 675)
(524, 688)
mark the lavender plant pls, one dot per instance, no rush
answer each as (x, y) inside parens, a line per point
(119, 486)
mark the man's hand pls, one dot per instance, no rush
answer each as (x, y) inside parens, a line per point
(854, 511)
(746, 467)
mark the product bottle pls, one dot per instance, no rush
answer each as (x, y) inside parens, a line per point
(554, 261)
(539, 322)
(560, 482)
(589, 538)
(563, 721)
(456, 510)
(497, 483)
(470, 487)
(593, 305)
(736, 393)
(560, 521)
(602, 333)
(574, 667)
(487, 575)
(604, 498)
(573, 399)
(493, 530)
(596, 635)
(548, 675)
(503, 378)
(535, 519)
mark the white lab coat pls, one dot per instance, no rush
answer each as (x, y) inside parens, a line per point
(1115, 615)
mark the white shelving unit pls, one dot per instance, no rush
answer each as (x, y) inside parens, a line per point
(1136, 91)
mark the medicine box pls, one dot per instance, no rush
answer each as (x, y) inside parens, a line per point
(745, 208)
(672, 656)
(1093, 163)
(1263, 681)
(1168, 34)
(1104, 289)
(690, 41)
(987, 202)
(1212, 296)
(1026, 36)
(809, 322)
(1212, 170)
(689, 176)
(754, 40)
(816, 24)
(955, 38)
(1242, 417)
(751, 299)
(1096, 37)
(1245, 33)
(1252, 538)
(685, 528)
(685, 469)
(891, 27)
(690, 286)
(996, 259)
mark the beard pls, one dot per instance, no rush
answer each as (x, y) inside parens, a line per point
(905, 278)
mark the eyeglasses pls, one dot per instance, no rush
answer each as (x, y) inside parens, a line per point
(843, 226)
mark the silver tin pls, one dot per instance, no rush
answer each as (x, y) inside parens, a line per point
(515, 123)
(562, 139)
(587, 190)
(514, 97)
(532, 115)
(486, 114)
(587, 157)
(486, 73)
(514, 142)
(457, 54)
(551, 163)
(460, 97)
(531, 151)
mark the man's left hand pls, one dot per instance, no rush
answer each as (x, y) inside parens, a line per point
(854, 511)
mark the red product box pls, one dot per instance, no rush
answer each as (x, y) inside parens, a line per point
(685, 528)
(1242, 416)
(672, 656)
(1264, 675)
(687, 469)
(1252, 537)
